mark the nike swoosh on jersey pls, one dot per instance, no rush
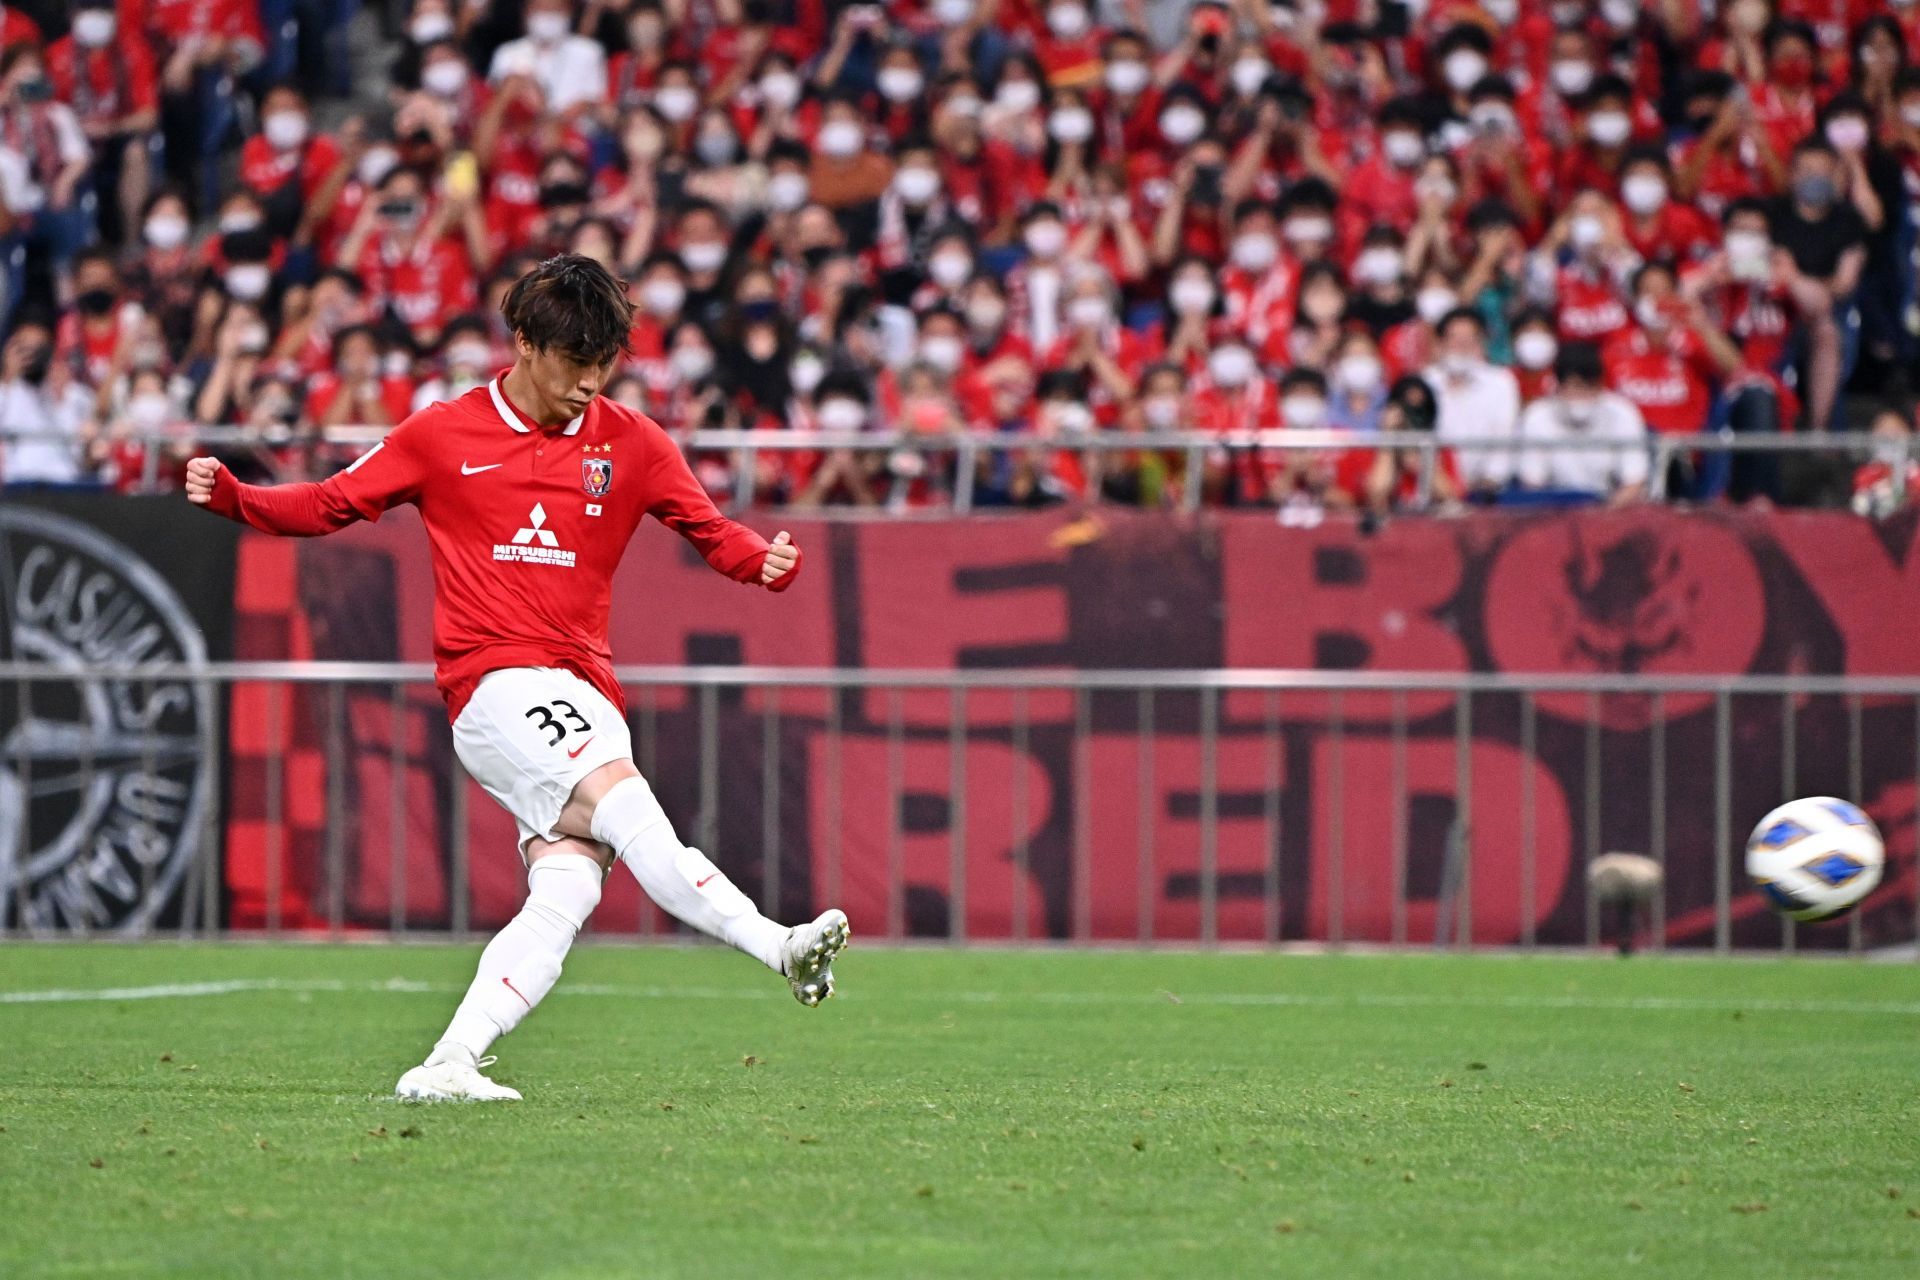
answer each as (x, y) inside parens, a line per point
(466, 470)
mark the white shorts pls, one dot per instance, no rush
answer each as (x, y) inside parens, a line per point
(530, 734)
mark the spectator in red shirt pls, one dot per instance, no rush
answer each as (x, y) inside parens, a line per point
(1128, 103)
(1380, 188)
(356, 390)
(1669, 362)
(1535, 348)
(410, 253)
(107, 76)
(1658, 227)
(1728, 155)
(1590, 262)
(89, 337)
(1606, 127)
(285, 163)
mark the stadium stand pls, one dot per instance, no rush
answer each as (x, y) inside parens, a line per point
(281, 226)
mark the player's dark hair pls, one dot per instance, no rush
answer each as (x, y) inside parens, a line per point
(573, 305)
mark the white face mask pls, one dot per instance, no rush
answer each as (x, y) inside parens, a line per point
(1089, 313)
(1621, 15)
(444, 78)
(1303, 412)
(1071, 124)
(916, 184)
(1308, 228)
(1535, 349)
(1162, 413)
(94, 28)
(690, 364)
(1848, 133)
(1463, 69)
(428, 27)
(1181, 124)
(1045, 239)
(1436, 186)
(1191, 295)
(1432, 304)
(986, 316)
(780, 88)
(1017, 96)
(248, 281)
(1068, 21)
(469, 355)
(842, 414)
(1249, 74)
(1379, 265)
(1403, 148)
(1586, 231)
(840, 138)
(1910, 113)
(943, 351)
(952, 13)
(285, 130)
(703, 256)
(1650, 313)
(662, 297)
(900, 84)
(1502, 11)
(676, 102)
(1127, 77)
(166, 232)
(1748, 255)
(715, 149)
(806, 372)
(1255, 251)
(1609, 128)
(949, 270)
(787, 191)
(150, 410)
(1362, 373)
(1571, 79)
(1643, 193)
(546, 26)
(1230, 366)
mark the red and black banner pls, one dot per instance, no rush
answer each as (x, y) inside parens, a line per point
(1325, 821)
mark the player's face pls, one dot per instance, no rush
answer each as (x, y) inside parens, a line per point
(563, 382)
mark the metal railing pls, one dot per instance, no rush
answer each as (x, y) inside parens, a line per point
(960, 453)
(1136, 807)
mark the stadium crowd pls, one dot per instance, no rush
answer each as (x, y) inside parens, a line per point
(1547, 219)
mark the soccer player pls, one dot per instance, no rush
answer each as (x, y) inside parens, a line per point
(530, 487)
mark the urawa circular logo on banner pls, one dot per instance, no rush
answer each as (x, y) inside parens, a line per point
(104, 782)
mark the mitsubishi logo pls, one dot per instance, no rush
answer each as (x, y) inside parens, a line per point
(535, 543)
(539, 530)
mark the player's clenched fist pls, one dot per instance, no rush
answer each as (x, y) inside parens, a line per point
(782, 555)
(201, 473)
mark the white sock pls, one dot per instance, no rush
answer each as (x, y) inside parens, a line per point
(685, 884)
(522, 962)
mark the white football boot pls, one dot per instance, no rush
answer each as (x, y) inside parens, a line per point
(452, 1082)
(810, 951)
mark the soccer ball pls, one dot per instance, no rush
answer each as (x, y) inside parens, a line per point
(1815, 858)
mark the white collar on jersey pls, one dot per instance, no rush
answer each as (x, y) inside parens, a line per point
(512, 419)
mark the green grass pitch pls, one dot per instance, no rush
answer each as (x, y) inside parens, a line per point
(966, 1114)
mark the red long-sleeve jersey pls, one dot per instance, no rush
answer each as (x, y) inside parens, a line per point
(526, 526)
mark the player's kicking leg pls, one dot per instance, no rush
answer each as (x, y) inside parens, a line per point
(517, 970)
(619, 810)
(557, 755)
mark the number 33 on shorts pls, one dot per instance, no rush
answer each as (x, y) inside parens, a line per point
(556, 717)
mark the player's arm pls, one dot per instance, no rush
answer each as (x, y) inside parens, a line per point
(383, 477)
(677, 501)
